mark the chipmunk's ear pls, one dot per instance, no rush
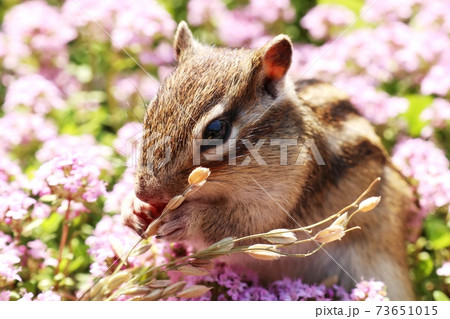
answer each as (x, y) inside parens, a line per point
(184, 40)
(276, 57)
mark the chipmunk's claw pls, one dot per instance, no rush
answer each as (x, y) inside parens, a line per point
(174, 226)
(137, 214)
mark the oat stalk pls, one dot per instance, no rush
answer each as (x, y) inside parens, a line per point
(144, 285)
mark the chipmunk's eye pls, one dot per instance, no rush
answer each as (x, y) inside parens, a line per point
(217, 130)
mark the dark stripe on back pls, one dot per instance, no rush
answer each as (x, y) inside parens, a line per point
(336, 167)
(335, 112)
(303, 84)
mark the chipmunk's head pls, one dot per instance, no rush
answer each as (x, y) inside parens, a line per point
(214, 102)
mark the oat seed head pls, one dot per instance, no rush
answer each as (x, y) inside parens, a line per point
(193, 271)
(281, 236)
(175, 202)
(194, 291)
(369, 204)
(260, 251)
(330, 234)
(198, 175)
(341, 220)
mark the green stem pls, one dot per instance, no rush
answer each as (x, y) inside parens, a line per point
(124, 259)
(64, 235)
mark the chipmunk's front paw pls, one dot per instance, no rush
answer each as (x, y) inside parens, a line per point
(137, 214)
(174, 226)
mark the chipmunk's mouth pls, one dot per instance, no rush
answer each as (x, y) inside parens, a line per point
(157, 209)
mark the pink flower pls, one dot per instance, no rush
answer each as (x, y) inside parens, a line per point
(15, 204)
(437, 80)
(9, 169)
(139, 23)
(128, 137)
(323, 21)
(26, 296)
(84, 146)
(39, 251)
(34, 92)
(438, 113)
(111, 240)
(140, 86)
(21, 129)
(433, 15)
(40, 211)
(120, 191)
(444, 270)
(48, 296)
(5, 295)
(2, 45)
(376, 105)
(39, 24)
(163, 54)
(240, 28)
(202, 11)
(72, 178)
(369, 291)
(9, 258)
(84, 12)
(43, 296)
(378, 11)
(428, 165)
(269, 11)
(35, 27)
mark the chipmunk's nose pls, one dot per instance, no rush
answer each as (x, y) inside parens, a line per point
(157, 204)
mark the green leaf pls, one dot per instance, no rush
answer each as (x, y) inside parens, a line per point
(52, 223)
(45, 284)
(28, 229)
(353, 5)
(417, 103)
(76, 264)
(424, 266)
(437, 232)
(440, 296)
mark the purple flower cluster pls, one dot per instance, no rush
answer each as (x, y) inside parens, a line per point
(15, 201)
(138, 26)
(324, 21)
(119, 192)
(41, 94)
(245, 26)
(9, 258)
(20, 129)
(232, 284)
(71, 178)
(142, 85)
(428, 165)
(34, 29)
(48, 295)
(370, 291)
(400, 48)
(84, 146)
(438, 113)
(39, 251)
(111, 240)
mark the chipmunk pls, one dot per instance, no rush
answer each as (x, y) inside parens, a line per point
(225, 108)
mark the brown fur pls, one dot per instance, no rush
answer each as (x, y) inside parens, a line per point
(246, 86)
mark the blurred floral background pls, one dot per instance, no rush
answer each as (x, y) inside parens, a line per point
(75, 77)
